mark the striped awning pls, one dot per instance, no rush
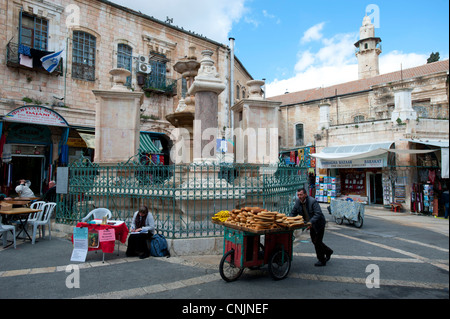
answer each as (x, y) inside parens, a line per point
(146, 144)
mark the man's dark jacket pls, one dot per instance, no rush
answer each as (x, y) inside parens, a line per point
(316, 217)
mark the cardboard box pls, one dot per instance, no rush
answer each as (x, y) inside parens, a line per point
(6, 206)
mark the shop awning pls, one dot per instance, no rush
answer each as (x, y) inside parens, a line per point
(89, 139)
(146, 144)
(361, 155)
(443, 144)
(349, 152)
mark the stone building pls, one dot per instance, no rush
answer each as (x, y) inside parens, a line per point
(406, 112)
(96, 36)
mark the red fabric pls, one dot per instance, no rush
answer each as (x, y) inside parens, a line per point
(121, 232)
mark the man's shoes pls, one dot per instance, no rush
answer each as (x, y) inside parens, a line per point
(320, 263)
(328, 256)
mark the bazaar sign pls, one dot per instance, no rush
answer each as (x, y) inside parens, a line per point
(355, 163)
(36, 115)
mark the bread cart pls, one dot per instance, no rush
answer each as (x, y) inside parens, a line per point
(243, 249)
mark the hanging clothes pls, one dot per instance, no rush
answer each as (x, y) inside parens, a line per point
(37, 55)
(431, 175)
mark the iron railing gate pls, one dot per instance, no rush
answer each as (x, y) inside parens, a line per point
(182, 198)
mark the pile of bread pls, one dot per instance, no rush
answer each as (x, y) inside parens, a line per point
(262, 219)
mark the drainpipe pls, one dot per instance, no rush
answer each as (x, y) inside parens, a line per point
(231, 102)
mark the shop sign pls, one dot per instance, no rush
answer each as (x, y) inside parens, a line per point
(76, 142)
(21, 133)
(355, 163)
(36, 115)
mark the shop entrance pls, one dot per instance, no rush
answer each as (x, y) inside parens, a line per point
(375, 188)
(29, 167)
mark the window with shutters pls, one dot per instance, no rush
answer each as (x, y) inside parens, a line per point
(34, 32)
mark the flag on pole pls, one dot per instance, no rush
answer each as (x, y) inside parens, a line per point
(50, 62)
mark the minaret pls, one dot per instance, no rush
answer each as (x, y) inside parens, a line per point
(368, 50)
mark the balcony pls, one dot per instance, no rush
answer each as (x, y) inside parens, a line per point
(160, 85)
(13, 61)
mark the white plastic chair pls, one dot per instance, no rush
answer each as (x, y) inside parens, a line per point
(36, 205)
(97, 213)
(35, 216)
(32, 216)
(45, 215)
(5, 229)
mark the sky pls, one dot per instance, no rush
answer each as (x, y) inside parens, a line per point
(301, 44)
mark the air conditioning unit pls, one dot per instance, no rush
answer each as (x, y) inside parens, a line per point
(142, 59)
(144, 68)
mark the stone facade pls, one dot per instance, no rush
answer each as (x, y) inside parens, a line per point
(366, 104)
(111, 25)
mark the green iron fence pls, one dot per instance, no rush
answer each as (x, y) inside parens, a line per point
(182, 198)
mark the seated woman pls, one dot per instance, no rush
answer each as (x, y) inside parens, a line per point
(141, 232)
(23, 189)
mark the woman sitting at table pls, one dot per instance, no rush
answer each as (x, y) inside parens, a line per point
(23, 189)
(142, 230)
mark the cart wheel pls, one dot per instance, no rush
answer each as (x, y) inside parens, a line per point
(359, 223)
(228, 271)
(339, 221)
(279, 265)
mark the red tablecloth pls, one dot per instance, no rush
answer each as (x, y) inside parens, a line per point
(121, 232)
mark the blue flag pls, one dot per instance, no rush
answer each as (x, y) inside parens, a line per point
(50, 62)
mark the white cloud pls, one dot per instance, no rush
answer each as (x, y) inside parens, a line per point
(306, 59)
(394, 60)
(271, 16)
(211, 18)
(313, 33)
(313, 77)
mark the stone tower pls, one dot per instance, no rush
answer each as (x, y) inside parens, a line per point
(368, 50)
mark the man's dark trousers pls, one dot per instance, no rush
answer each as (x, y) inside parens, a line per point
(322, 250)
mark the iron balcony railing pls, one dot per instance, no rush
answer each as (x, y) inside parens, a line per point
(160, 85)
(13, 60)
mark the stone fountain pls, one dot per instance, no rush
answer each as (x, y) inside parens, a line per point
(184, 115)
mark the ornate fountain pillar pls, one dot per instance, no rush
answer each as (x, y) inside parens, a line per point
(206, 88)
(183, 117)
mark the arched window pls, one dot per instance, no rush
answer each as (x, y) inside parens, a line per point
(157, 78)
(125, 59)
(83, 56)
(299, 135)
(238, 90)
(358, 119)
